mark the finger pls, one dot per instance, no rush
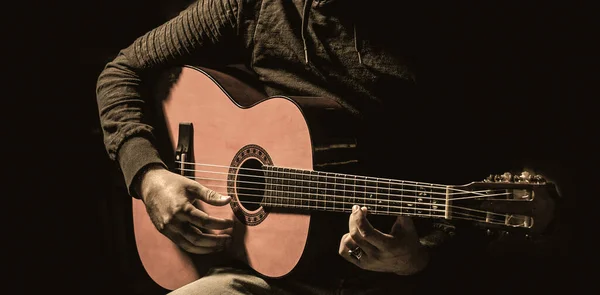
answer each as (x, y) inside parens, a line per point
(362, 230)
(403, 226)
(189, 247)
(346, 243)
(198, 191)
(198, 238)
(200, 219)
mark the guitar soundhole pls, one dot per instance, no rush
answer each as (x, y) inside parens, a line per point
(246, 184)
(250, 184)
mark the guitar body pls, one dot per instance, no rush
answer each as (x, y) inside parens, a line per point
(280, 158)
(236, 124)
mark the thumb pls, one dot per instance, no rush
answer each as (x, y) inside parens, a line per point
(198, 191)
(403, 226)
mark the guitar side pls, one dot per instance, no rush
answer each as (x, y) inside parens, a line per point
(228, 115)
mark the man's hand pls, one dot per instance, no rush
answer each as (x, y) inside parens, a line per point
(169, 201)
(398, 252)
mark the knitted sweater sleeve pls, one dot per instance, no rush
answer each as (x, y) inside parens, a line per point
(195, 35)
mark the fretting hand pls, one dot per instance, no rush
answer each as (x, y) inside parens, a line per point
(368, 248)
(169, 201)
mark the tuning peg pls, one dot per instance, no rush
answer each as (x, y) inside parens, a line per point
(524, 177)
(539, 179)
(506, 177)
(497, 178)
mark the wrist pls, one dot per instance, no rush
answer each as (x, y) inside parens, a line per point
(140, 182)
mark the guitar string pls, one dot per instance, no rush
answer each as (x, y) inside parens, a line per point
(327, 195)
(395, 181)
(345, 177)
(379, 212)
(329, 189)
(486, 221)
(490, 216)
(489, 194)
(489, 220)
(480, 193)
(360, 198)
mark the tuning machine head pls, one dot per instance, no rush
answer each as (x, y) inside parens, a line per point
(524, 177)
(529, 178)
(506, 177)
(539, 179)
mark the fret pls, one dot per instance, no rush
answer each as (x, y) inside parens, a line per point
(297, 176)
(389, 184)
(268, 187)
(413, 198)
(328, 192)
(408, 199)
(302, 200)
(289, 197)
(435, 203)
(298, 199)
(293, 193)
(271, 185)
(379, 196)
(347, 189)
(397, 192)
(383, 197)
(291, 176)
(281, 188)
(431, 201)
(421, 202)
(404, 208)
(306, 189)
(276, 195)
(284, 188)
(313, 190)
(353, 193)
(297, 202)
(339, 193)
(333, 192)
(322, 191)
(370, 194)
(360, 194)
(395, 204)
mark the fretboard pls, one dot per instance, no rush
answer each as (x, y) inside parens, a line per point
(322, 191)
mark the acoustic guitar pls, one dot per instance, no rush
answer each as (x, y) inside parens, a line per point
(271, 154)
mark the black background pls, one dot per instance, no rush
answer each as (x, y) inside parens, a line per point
(71, 222)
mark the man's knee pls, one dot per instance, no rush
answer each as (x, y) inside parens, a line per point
(225, 281)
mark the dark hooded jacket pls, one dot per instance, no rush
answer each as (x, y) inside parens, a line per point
(360, 53)
(316, 48)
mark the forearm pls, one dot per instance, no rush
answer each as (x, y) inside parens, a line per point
(203, 28)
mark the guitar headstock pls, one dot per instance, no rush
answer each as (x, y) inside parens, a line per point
(506, 203)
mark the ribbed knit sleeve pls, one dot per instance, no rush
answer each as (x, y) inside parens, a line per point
(197, 33)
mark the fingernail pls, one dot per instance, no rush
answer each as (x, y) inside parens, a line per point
(364, 209)
(224, 198)
(355, 208)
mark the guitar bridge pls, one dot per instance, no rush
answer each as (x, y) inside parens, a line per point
(184, 153)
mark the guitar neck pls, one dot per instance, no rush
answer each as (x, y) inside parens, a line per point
(322, 191)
